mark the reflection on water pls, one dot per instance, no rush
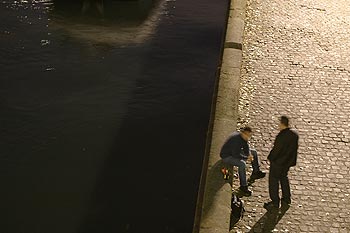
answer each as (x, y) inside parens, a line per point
(108, 21)
(112, 9)
(104, 113)
(98, 4)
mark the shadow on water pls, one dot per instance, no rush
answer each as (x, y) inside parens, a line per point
(156, 186)
(269, 220)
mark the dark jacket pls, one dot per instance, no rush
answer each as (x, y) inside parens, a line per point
(235, 146)
(285, 149)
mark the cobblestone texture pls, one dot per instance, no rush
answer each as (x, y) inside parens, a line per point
(296, 62)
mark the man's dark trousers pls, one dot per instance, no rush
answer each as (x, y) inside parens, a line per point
(279, 175)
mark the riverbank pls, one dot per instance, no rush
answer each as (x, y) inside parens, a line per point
(213, 207)
(294, 60)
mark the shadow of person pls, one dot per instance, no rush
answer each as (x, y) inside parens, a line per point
(269, 220)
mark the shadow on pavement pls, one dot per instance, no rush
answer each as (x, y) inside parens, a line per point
(269, 220)
(215, 182)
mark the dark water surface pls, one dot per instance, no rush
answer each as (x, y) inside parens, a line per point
(104, 119)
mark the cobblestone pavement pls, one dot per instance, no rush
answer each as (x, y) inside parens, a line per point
(297, 62)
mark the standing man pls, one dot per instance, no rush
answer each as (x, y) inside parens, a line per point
(282, 156)
(236, 152)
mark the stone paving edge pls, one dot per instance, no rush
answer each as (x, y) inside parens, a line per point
(213, 205)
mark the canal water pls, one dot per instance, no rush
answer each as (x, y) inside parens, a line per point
(104, 113)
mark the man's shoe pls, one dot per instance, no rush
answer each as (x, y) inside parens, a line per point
(245, 191)
(257, 175)
(270, 206)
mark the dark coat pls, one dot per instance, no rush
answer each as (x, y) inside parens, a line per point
(285, 149)
(235, 146)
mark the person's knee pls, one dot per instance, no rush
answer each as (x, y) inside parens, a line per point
(241, 164)
(225, 161)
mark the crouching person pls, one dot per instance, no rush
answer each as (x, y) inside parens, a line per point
(236, 152)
